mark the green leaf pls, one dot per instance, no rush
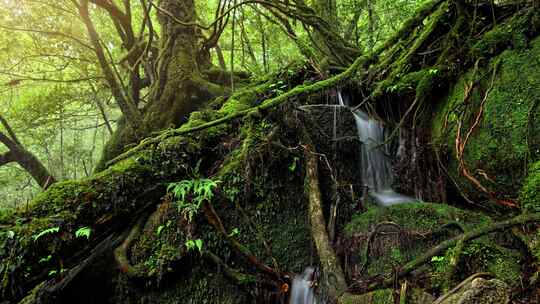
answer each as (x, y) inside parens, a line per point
(234, 232)
(46, 259)
(10, 234)
(83, 232)
(199, 244)
(159, 229)
(45, 232)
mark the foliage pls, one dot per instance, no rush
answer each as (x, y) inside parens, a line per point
(195, 244)
(48, 231)
(83, 232)
(191, 194)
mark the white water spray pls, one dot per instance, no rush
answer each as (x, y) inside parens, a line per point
(302, 288)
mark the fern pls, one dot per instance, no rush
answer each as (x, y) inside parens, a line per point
(45, 232)
(83, 232)
(191, 194)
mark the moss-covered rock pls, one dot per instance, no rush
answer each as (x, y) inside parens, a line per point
(507, 137)
(401, 233)
(530, 192)
(383, 296)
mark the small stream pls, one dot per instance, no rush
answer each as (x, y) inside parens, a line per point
(375, 157)
(302, 291)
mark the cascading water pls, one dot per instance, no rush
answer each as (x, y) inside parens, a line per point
(376, 166)
(302, 288)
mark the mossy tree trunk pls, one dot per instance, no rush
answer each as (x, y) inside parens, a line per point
(180, 85)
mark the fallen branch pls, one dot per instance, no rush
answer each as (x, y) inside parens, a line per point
(465, 237)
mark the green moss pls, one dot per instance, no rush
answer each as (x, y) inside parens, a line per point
(512, 34)
(529, 196)
(415, 216)
(508, 134)
(422, 228)
(382, 296)
(484, 255)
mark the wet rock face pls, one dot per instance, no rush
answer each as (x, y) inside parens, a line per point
(479, 291)
(333, 131)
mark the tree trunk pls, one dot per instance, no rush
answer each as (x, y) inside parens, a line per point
(334, 279)
(17, 153)
(180, 87)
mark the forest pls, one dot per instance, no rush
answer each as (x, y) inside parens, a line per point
(270, 151)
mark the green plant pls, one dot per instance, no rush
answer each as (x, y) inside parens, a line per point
(192, 244)
(83, 232)
(292, 166)
(159, 229)
(45, 259)
(191, 194)
(439, 262)
(45, 232)
(234, 232)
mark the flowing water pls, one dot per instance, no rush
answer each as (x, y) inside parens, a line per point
(302, 288)
(376, 164)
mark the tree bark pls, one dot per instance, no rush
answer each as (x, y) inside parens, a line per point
(180, 86)
(331, 268)
(28, 161)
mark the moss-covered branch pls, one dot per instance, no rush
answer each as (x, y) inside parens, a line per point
(301, 90)
(463, 238)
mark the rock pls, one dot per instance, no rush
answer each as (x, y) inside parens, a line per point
(383, 296)
(419, 296)
(386, 296)
(478, 291)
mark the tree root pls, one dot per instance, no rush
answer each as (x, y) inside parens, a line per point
(460, 285)
(213, 218)
(301, 90)
(370, 239)
(330, 265)
(121, 252)
(461, 142)
(233, 274)
(465, 237)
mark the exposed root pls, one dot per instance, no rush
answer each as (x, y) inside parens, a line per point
(213, 218)
(370, 239)
(331, 268)
(461, 143)
(464, 238)
(460, 285)
(233, 274)
(121, 252)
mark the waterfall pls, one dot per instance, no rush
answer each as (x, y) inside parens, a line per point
(376, 166)
(302, 288)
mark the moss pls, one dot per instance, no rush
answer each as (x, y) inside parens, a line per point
(383, 296)
(512, 34)
(529, 196)
(508, 135)
(484, 255)
(415, 216)
(421, 228)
